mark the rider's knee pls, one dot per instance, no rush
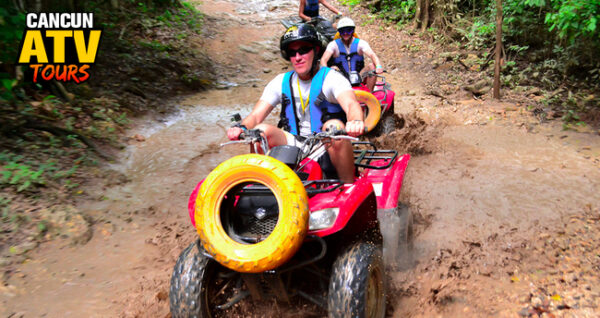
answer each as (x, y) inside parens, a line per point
(336, 123)
(339, 147)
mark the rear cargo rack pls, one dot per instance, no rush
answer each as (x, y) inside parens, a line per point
(372, 157)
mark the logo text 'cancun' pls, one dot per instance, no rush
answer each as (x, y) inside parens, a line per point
(60, 46)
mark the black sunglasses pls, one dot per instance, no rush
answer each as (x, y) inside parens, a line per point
(301, 50)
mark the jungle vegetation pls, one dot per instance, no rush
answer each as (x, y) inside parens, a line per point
(552, 44)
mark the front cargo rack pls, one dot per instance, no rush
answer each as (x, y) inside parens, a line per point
(312, 187)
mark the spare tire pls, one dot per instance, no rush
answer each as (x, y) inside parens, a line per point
(292, 222)
(372, 108)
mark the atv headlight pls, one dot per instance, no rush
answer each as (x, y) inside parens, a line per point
(322, 219)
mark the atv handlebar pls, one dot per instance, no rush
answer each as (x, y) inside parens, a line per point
(257, 138)
(253, 137)
(334, 133)
(371, 73)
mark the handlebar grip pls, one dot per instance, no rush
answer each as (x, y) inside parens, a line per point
(335, 131)
(338, 132)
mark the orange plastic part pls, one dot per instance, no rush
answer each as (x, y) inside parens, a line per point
(371, 108)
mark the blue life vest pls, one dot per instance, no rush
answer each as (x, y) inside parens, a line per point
(320, 109)
(349, 61)
(311, 8)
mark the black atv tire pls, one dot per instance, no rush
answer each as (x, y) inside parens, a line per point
(192, 283)
(387, 124)
(357, 285)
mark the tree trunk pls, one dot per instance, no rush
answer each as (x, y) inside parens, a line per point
(422, 15)
(496, 91)
(425, 20)
(37, 6)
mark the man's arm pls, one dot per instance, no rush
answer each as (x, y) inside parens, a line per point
(371, 54)
(301, 11)
(326, 56)
(330, 7)
(259, 113)
(355, 125)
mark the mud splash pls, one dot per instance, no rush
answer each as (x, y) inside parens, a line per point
(412, 135)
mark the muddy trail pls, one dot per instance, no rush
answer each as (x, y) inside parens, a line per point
(506, 207)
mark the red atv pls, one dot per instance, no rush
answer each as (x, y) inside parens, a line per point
(279, 226)
(378, 105)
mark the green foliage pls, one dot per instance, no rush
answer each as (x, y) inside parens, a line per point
(573, 18)
(28, 175)
(12, 24)
(189, 15)
(156, 45)
(4, 201)
(399, 11)
(21, 175)
(165, 12)
(42, 227)
(5, 208)
(6, 89)
(350, 3)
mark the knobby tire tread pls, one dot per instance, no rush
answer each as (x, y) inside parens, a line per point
(186, 288)
(349, 279)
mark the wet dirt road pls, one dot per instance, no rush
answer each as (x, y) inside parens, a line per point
(474, 174)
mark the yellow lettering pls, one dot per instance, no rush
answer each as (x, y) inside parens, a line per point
(87, 55)
(59, 43)
(33, 38)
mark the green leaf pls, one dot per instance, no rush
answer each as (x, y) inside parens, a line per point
(8, 84)
(42, 227)
(16, 177)
(591, 26)
(24, 186)
(34, 176)
(5, 175)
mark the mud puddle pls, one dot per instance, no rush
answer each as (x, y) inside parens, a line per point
(161, 172)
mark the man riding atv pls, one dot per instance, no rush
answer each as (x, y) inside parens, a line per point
(310, 9)
(348, 53)
(312, 98)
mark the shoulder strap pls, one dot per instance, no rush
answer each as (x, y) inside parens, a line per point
(354, 46)
(341, 46)
(288, 105)
(316, 86)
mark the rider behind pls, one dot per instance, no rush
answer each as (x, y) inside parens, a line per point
(310, 9)
(348, 53)
(312, 98)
